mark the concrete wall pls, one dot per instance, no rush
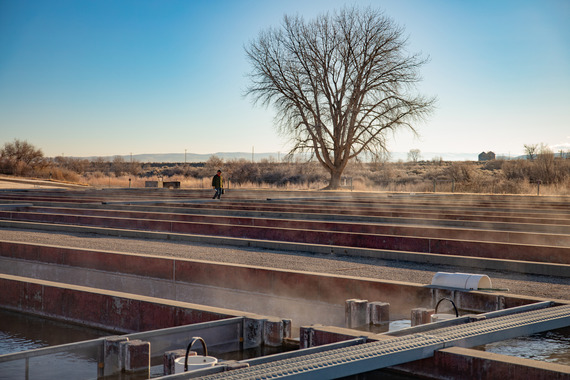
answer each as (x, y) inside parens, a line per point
(458, 363)
(445, 246)
(99, 308)
(188, 280)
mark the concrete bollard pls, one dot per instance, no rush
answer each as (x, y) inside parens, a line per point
(421, 316)
(287, 323)
(356, 313)
(253, 332)
(135, 355)
(112, 364)
(169, 358)
(379, 313)
(306, 337)
(275, 330)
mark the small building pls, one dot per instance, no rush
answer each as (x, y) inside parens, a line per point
(486, 156)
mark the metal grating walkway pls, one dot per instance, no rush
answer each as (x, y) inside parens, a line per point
(366, 357)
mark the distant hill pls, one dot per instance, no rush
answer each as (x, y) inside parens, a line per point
(428, 156)
(194, 157)
(191, 157)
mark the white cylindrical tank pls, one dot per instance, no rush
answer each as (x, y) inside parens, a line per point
(194, 362)
(462, 280)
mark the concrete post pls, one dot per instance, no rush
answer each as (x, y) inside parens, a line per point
(135, 355)
(275, 330)
(252, 332)
(111, 355)
(356, 313)
(421, 315)
(500, 303)
(379, 313)
(306, 337)
(287, 323)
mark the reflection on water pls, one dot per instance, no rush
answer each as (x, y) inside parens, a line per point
(20, 332)
(551, 346)
(50, 367)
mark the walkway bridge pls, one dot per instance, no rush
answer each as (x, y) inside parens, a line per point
(362, 358)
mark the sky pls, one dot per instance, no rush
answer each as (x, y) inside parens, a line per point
(105, 77)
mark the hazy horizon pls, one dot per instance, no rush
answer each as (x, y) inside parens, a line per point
(257, 156)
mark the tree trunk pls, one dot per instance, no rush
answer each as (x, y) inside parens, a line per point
(334, 183)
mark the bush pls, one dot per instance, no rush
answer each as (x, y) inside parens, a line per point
(21, 158)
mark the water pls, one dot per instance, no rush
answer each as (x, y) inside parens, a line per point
(20, 332)
(551, 346)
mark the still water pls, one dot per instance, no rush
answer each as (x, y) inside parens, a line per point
(22, 332)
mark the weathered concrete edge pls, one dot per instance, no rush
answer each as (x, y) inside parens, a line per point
(461, 363)
(546, 269)
(494, 357)
(158, 306)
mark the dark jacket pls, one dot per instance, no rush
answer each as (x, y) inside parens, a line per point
(217, 181)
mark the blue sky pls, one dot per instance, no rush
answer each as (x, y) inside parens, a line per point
(106, 77)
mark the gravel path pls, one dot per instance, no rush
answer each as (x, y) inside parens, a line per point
(528, 285)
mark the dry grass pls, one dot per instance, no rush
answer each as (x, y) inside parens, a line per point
(492, 177)
(490, 187)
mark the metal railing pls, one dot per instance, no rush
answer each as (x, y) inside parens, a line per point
(85, 360)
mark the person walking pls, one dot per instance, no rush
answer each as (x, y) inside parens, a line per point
(218, 184)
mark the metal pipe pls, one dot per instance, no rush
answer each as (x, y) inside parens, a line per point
(453, 303)
(204, 348)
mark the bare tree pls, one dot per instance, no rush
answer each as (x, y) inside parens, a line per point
(76, 165)
(134, 167)
(119, 166)
(545, 164)
(414, 155)
(20, 157)
(339, 83)
(101, 165)
(531, 150)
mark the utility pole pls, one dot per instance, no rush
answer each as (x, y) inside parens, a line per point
(185, 156)
(252, 154)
